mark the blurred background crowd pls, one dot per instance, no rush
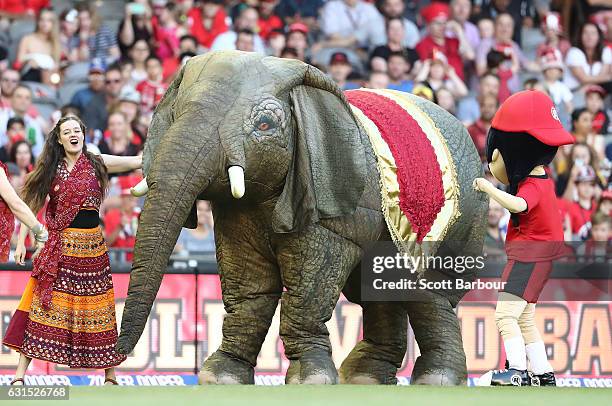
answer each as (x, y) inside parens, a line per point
(110, 62)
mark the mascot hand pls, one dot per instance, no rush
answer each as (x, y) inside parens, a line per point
(481, 184)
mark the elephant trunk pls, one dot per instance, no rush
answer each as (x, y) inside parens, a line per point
(174, 186)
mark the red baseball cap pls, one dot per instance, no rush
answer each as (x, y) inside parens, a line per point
(339, 57)
(595, 89)
(435, 10)
(300, 27)
(533, 112)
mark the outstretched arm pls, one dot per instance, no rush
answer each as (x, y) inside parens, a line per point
(25, 216)
(17, 206)
(118, 164)
(514, 204)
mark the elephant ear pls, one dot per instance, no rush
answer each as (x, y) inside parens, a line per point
(327, 174)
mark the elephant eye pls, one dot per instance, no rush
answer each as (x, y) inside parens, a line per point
(266, 124)
(266, 118)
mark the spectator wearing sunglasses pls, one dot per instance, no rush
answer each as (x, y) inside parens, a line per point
(9, 80)
(103, 92)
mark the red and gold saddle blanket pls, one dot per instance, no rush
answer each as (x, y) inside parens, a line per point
(420, 194)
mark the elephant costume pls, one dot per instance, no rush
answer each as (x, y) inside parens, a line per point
(296, 197)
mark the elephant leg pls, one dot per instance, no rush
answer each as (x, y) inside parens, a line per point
(251, 288)
(314, 266)
(437, 332)
(377, 357)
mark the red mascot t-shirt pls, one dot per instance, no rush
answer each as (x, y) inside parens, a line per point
(539, 233)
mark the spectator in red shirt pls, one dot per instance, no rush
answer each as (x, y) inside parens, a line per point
(594, 97)
(580, 211)
(502, 42)
(120, 225)
(553, 32)
(496, 64)
(268, 20)
(297, 39)
(152, 88)
(22, 8)
(479, 129)
(187, 44)
(206, 21)
(605, 202)
(455, 49)
(166, 31)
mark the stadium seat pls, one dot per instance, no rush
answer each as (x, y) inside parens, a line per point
(17, 30)
(46, 108)
(66, 92)
(42, 93)
(77, 73)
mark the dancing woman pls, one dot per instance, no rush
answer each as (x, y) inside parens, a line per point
(12, 206)
(67, 312)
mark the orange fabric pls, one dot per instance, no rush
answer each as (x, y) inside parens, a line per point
(26, 298)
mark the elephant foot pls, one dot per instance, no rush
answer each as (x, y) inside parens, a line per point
(439, 377)
(437, 331)
(312, 368)
(222, 369)
(362, 368)
(440, 367)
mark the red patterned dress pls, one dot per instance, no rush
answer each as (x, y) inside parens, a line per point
(7, 225)
(67, 312)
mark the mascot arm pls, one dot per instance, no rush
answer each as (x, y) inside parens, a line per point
(514, 204)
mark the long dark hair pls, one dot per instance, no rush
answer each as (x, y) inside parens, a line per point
(39, 181)
(15, 147)
(521, 152)
(599, 47)
(576, 116)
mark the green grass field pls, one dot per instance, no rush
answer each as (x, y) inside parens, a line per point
(332, 395)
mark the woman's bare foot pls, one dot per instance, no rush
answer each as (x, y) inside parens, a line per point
(109, 377)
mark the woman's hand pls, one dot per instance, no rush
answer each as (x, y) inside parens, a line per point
(20, 254)
(39, 247)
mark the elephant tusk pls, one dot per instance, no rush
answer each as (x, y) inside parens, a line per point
(140, 189)
(236, 178)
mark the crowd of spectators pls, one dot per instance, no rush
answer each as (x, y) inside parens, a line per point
(111, 68)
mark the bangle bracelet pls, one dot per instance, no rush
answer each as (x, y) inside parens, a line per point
(42, 237)
(37, 229)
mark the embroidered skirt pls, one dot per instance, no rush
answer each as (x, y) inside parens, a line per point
(79, 329)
